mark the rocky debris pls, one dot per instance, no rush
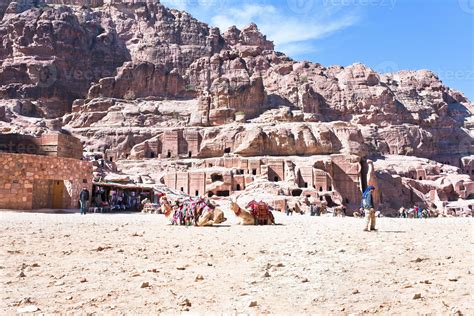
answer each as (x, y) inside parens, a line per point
(455, 311)
(25, 300)
(253, 303)
(417, 296)
(102, 248)
(453, 278)
(144, 285)
(198, 278)
(418, 259)
(27, 309)
(184, 303)
(82, 280)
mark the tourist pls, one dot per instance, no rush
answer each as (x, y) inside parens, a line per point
(83, 199)
(313, 209)
(324, 207)
(416, 212)
(369, 209)
(287, 210)
(318, 210)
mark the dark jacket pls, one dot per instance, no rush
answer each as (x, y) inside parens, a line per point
(84, 196)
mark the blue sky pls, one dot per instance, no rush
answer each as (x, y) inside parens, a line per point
(386, 35)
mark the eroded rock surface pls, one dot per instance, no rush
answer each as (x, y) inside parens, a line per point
(138, 81)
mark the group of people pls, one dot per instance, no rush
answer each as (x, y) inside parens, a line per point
(295, 209)
(416, 212)
(116, 200)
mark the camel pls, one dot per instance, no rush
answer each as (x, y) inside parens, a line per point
(244, 216)
(197, 213)
(249, 218)
(216, 216)
(206, 214)
(165, 206)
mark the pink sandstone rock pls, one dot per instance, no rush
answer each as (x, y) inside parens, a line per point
(136, 80)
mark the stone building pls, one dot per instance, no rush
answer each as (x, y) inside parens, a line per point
(56, 145)
(171, 144)
(44, 172)
(334, 178)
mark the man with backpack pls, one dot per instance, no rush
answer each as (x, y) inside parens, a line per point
(368, 205)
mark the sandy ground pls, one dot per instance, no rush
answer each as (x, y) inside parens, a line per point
(101, 263)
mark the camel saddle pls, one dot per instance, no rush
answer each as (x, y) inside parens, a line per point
(261, 212)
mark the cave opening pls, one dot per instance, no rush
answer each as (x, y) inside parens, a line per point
(217, 177)
(296, 192)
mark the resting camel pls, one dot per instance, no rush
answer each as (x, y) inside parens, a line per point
(244, 216)
(207, 214)
(197, 213)
(247, 218)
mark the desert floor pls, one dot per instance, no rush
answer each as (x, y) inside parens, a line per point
(102, 262)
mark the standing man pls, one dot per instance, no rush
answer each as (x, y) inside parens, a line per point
(318, 210)
(369, 209)
(83, 199)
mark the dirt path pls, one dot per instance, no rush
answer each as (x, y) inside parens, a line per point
(101, 263)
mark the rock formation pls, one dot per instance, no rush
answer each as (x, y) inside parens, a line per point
(154, 88)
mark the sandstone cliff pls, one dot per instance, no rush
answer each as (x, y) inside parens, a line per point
(125, 75)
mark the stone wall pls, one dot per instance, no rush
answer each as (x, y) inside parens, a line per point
(55, 145)
(31, 181)
(61, 145)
